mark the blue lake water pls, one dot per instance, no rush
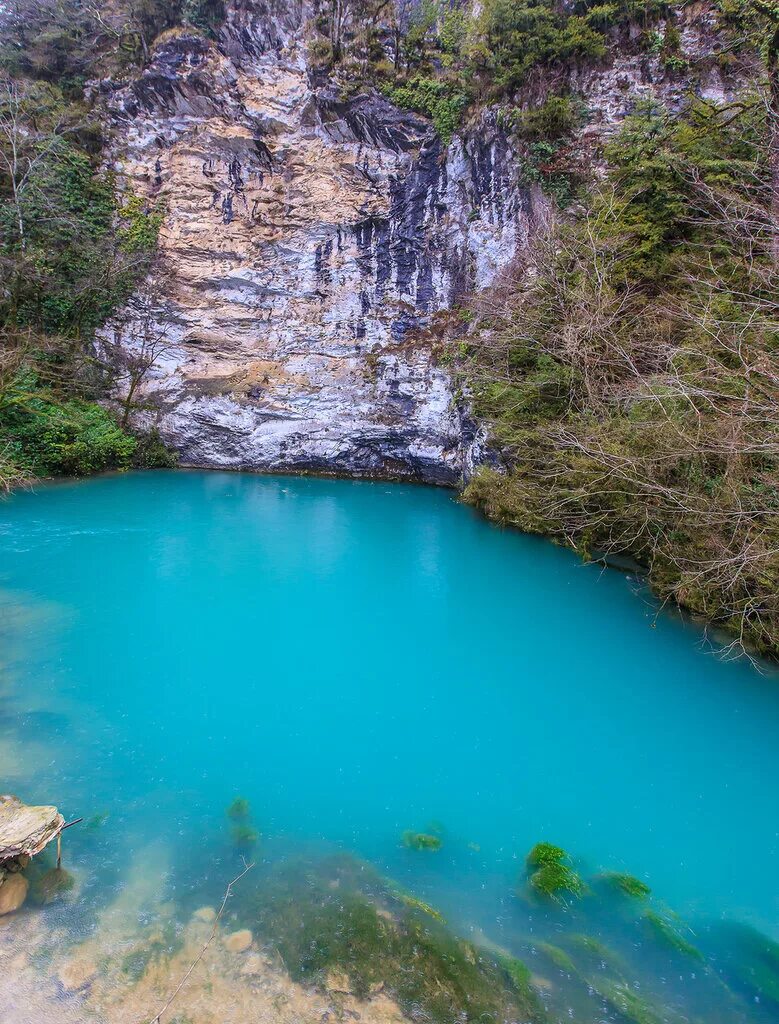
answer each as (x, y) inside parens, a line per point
(358, 659)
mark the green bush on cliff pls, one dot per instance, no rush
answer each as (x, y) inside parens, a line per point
(555, 118)
(45, 435)
(71, 253)
(433, 97)
(520, 35)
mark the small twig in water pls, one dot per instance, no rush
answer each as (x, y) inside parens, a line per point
(157, 1019)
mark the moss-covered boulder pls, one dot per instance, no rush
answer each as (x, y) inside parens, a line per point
(421, 841)
(238, 809)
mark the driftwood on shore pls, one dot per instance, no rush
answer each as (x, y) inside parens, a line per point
(25, 830)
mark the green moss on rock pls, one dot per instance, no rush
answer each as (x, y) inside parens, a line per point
(341, 918)
(635, 1008)
(750, 959)
(243, 834)
(558, 957)
(416, 904)
(545, 853)
(556, 880)
(666, 932)
(421, 841)
(626, 885)
(550, 875)
(238, 810)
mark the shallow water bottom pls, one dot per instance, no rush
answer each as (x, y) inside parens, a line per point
(324, 936)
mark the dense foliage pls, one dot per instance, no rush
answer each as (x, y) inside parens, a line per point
(632, 383)
(444, 58)
(71, 248)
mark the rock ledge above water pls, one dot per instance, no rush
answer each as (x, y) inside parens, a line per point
(25, 830)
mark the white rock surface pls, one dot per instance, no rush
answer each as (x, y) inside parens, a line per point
(308, 241)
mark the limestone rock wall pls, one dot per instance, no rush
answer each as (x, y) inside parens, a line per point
(308, 241)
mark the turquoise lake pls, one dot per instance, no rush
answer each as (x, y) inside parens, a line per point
(358, 659)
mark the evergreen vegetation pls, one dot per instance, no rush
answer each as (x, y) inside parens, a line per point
(71, 248)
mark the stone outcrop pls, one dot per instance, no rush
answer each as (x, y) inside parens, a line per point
(24, 829)
(309, 240)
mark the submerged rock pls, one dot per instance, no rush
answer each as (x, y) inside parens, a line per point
(421, 841)
(77, 974)
(238, 942)
(341, 940)
(51, 885)
(13, 893)
(205, 914)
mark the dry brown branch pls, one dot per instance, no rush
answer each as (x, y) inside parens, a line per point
(157, 1018)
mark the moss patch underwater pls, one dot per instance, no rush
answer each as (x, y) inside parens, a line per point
(340, 917)
(617, 953)
(550, 874)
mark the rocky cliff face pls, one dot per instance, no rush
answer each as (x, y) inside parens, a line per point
(308, 241)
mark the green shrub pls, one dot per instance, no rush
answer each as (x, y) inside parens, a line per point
(555, 118)
(523, 34)
(433, 97)
(206, 15)
(46, 437)
(151, 452)
(71, 254)
(614, 373)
